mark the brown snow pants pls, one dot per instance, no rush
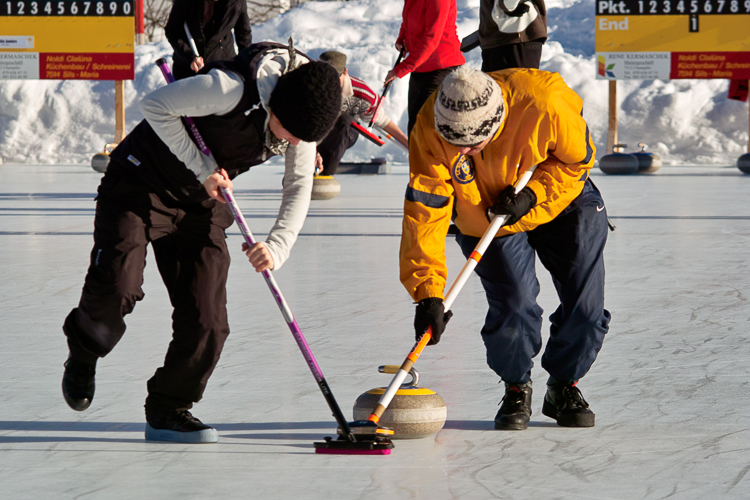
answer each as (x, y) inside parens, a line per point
(189, 245)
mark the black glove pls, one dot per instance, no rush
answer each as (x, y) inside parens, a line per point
(430, 312)
(512, 204)
(521, 9)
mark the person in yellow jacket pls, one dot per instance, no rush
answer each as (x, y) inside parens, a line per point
(472, 140)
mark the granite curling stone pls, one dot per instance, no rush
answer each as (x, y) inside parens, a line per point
(325, 187)
(648, 162)
(618, 163)
(415, 412)
(100, 161)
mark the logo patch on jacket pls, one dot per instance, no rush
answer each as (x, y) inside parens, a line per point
(463, 170)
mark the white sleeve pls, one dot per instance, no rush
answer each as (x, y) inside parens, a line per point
(295, 201)
(382, 120)
(215, 93)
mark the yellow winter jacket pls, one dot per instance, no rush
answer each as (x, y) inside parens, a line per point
(543, 125)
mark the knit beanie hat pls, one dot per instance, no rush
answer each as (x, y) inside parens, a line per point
(335, 59)
(469, 107)
(307, 100)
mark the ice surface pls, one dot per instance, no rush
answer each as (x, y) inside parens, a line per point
(684, 121)
(671, 387)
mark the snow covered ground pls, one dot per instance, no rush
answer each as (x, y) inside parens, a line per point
(684, 121)
(671, 386)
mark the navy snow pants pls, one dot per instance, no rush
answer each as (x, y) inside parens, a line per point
(341, 137)
(571, 248)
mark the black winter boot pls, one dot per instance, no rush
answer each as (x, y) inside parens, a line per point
(78, 383)
(564, 403)
(515, 412)
(178, 426)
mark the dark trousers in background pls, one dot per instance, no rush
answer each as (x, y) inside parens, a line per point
(513, 55)
(191, 255)
(571, 248)
(341, 137)
(421, 87)
(180, 71)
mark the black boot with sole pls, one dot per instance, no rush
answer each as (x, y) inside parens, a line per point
(515, 412)
(564, 403)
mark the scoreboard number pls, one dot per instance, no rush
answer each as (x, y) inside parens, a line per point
(75, 8)
(672, 7)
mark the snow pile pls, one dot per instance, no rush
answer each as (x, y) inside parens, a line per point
(684, 121)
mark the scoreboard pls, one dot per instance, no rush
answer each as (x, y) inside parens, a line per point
(67, 39)
(669, 39)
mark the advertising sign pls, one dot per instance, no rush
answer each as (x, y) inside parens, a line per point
(668, 39)
(67, 39)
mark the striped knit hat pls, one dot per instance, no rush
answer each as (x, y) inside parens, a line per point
(469, 107)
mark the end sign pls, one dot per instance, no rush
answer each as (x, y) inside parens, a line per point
(669, 39)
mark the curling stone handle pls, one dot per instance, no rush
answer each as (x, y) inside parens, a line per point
(392, 369)
(617, 148)
(643, 146)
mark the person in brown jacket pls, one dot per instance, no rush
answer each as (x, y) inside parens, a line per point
(511, 33)
(210, 23)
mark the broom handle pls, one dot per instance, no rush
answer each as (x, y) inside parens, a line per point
(385, 91)
(191, 41)
(270, 281)
(455, 289)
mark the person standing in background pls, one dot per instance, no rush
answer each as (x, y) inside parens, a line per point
(358, 102)
(511, 33)
(211, 23)
(428, 36)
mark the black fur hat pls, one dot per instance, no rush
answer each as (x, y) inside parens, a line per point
(307, 100)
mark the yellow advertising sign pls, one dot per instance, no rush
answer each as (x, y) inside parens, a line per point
(69, 35)
(67, 39)
(666, 39)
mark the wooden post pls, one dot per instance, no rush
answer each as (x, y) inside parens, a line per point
(612, 131)
(119, 111)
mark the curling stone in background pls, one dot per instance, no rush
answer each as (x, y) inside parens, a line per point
(325, 187)
(415, 412)
(743, 163)
(648, 162)
(100, 161)
(618, 163)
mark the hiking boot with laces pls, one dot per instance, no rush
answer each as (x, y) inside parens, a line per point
(178, 426)
(515, 409)
(78, 383)
(564, 403)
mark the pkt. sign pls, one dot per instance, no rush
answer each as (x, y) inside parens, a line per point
(664, 39)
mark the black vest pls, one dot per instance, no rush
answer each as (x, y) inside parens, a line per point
(235, 139)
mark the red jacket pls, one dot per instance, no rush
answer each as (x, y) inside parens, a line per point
(428, 31)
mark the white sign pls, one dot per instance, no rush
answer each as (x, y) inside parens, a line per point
(16, 42)
(633, 65)
(19, 65)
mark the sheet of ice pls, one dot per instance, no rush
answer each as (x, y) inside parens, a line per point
(684, 121)
(671, 387)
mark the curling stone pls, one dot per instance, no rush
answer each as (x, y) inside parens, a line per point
(415, 412)
(743, 163)
(648, 162)
(100, 161)
(618, 163)
(325, 187)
